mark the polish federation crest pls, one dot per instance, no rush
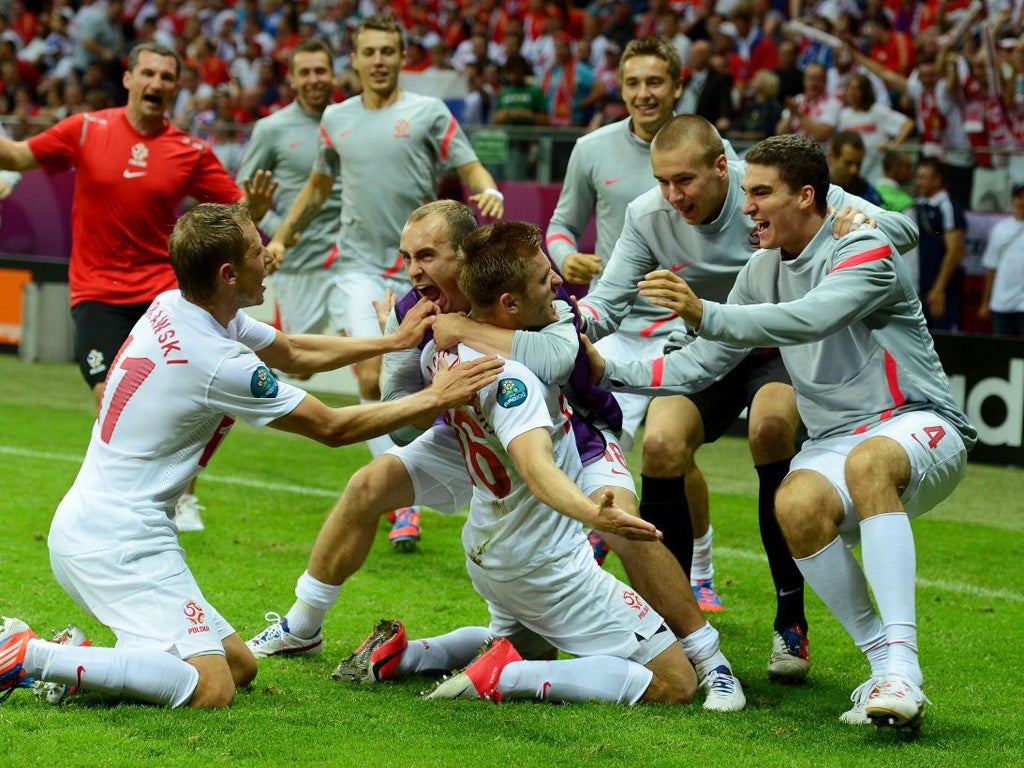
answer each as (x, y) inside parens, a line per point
(194, 612)
(140, 155)
(263, 383)
(402, 128)
(511, 392)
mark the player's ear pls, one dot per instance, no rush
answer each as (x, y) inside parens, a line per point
(227, 273)
(508, 302)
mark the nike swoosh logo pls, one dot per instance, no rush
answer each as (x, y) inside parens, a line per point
(618, 472)
(133, 174)
(544, 690)
(609, 182)
(295, 145)
(680, 267)
(78, 676)
(343, 134)
(788, 592)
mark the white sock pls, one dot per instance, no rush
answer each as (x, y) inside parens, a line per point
(837, 578)
(145, 674)
(702, 567)
(887, 544)
(315, 598)
(443, 653)
(701, 648)
(381, 443)
(591, 678)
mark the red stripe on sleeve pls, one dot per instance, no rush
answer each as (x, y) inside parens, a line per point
(590, 309)
(881, 252)
(559, 236)
(332, 256)
(395, 268)
(650, 330)
(893, 379)
(657, 371)
(447, 140)
(325, 137)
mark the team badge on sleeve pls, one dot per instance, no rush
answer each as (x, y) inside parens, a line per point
(263, 383)
(511, 392)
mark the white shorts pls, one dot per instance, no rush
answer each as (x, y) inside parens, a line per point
(575, 606)
(147, 597)
(440, 481)
(619, 346)
(308, 302)
(609, 469)
(938, 462)
(435, 466)
(360, 290)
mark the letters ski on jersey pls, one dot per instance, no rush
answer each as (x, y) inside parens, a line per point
(388, 160)
(177, 385)
(127, 191)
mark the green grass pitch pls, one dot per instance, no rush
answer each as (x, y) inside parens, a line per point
(267, 493)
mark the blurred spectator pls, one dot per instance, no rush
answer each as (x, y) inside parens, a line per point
(893, 50)
(1003, 295)
(519, 102)
(568, 86)
(988, 128)
(477, 49)
(609, 108)
(753, 49)
(440, 57)
(845, 156)
(706, 91)
(845, 67)
(814, 51)
(942, 226)
(897, 173)
(669, 29)
(416, 58)
(479, 99)
(939, 115)
(791, 77)
(812, 113)
(620, 28)
(761, 111)
(880, 127)
(101, 39)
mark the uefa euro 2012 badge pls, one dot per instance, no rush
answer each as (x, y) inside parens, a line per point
(263, 383)
(511, 392)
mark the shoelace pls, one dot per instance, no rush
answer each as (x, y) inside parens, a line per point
(274, 630)
(860, 694)
(721, 682)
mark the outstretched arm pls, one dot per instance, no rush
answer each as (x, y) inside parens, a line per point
(533, 454)
(311, 353)
(356, 423)
(485, 190)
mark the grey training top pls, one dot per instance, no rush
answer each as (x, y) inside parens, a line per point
(388, 161)
(286, 143)
(850, 330)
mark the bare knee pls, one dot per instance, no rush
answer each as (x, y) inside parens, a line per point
(240, 660)
(667, 453)
(673, 680)
(672, 687)
(368, 379)
(216, 686)
(771, 439)
(877, 474)
(809, 511)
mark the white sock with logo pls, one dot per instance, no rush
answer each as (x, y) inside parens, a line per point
(145, 674)
(444, 652)
(591, 678)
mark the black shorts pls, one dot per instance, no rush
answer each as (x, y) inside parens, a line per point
(100, 330)
(722, 403)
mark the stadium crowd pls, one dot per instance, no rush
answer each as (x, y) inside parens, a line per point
(748, 68)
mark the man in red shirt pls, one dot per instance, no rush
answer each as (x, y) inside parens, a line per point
(134, 168)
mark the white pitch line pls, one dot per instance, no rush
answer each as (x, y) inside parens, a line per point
(305, 490)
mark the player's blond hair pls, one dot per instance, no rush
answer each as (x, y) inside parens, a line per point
(202, 240)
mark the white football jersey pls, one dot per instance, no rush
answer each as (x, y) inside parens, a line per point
(509, 531)
(177, 385)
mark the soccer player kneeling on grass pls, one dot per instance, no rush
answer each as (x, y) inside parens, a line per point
(526, 531)
(194, 363)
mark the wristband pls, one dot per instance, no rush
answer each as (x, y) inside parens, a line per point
(493, 191)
